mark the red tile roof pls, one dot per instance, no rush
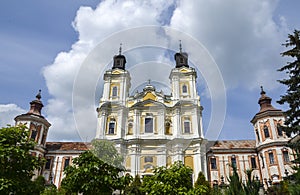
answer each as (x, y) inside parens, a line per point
(233, 144)
(64, 146)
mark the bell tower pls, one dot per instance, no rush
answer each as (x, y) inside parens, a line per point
(112, 112)
(183, 78)
(274, 157)
(37, 124)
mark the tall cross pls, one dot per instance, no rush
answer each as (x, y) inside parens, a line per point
(120, 49)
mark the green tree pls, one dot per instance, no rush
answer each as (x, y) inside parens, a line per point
(201, 185)
(235, 186)
(292, 122)
(90, 175)
(252, 186)
(292, 83)
(17, 165)
(135, 187)
(107, 152)
(177, 179)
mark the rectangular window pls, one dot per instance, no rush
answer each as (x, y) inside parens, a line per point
(67, 163)
(213, 163)
(286, 158)
(233, 162)
(186, 125)
(271, 158)
(253, 163)
(148, 159)
(48, 164)
(148, 125)
(114, 91)
(111, 128)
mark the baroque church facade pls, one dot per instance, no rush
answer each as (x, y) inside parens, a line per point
(153, 129)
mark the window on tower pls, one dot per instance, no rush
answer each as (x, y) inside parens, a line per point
(286, 158)
(271, 158)
(114, 91)
(111, 127)
(33, 134)
(184, 89)
(257, 135)
(266, 131)
(279, 130)
(149, 125)
(186, 126)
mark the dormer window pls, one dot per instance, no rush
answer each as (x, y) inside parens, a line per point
(114, 91)
(266, 131)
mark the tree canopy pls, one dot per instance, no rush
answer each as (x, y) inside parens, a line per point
(107, 152)
(292, 96)
(177, 179)
(89, 175)
(17, 165)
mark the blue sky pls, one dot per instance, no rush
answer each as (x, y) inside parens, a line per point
(40, 43)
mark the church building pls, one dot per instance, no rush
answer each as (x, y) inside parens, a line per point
(151, 129)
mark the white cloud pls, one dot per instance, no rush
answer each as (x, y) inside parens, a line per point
(93, 26)
(8, 112)
(241, 35)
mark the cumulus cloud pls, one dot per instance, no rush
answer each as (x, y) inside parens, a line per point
(241, 36)
(8, 112)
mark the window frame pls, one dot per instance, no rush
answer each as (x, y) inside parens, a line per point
(184, 89)
(114, 91)
(266, 131)
(187, 121)
(149, 126)
(253, 162)
(286, 157)
(213, 163)
(271, 158)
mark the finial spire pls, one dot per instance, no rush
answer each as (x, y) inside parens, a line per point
(262, 90)
(149, 80)
(120, 49)
(180, 46)
(38, 96)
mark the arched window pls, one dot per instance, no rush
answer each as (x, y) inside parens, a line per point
(130, 128)
(279, 129)
(257, 135)
(184, 89)
(114, 91)
(33, 134)
(266, 131)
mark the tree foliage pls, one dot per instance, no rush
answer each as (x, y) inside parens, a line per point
(107, 152)
(292, 96)
(89, 175)
(177, 179)
(135, 188)
(17, 165)
(201, 185)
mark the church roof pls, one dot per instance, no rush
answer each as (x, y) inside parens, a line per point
(64, 146)
(232, 144)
